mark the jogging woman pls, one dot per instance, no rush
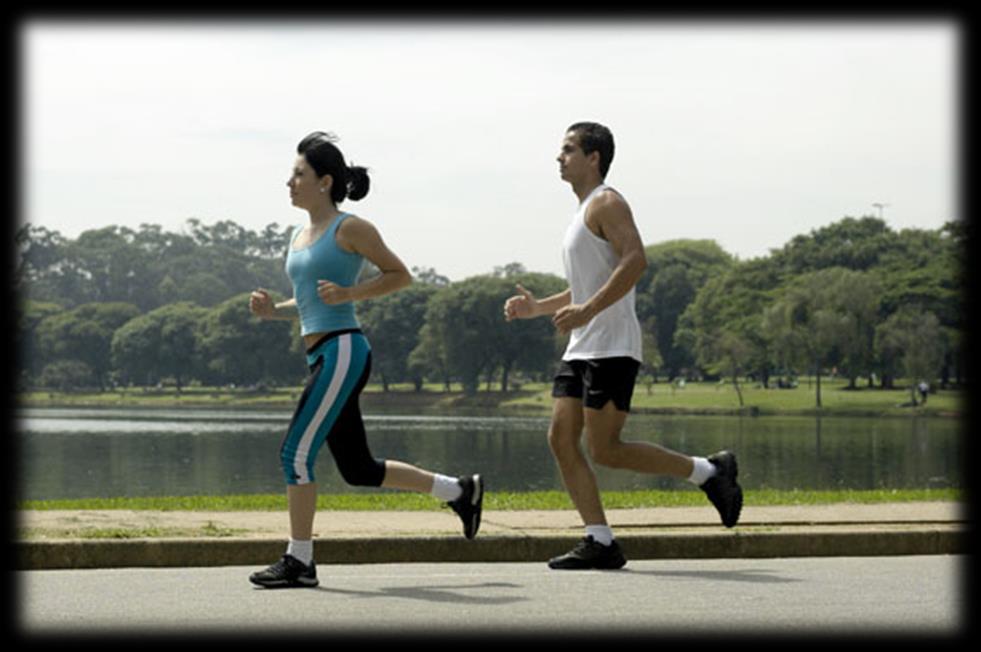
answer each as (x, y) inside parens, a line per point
(323, 262)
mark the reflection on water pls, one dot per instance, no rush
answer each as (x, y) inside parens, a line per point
(75, 453)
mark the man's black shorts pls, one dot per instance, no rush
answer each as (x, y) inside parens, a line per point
(597, 381)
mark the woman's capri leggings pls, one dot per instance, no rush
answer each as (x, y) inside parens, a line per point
(328, 410)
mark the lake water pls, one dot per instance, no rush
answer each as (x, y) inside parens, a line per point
(83, 453)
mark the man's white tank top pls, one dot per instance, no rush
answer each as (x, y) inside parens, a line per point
(589, 262)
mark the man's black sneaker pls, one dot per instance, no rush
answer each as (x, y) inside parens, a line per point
(588, 554)
(288, 572)
(470, 504)
(722, 488)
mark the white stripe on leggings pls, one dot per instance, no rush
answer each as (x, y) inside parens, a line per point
(340, 372)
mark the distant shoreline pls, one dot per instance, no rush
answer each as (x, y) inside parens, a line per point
(535, 400)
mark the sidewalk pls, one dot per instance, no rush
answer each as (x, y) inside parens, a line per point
(54, 538)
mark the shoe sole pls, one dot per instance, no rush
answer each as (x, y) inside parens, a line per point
(476, 501)
(286, 584)
(729, 467)
(588, 567)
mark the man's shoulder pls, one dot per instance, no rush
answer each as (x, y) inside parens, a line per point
(609, 200)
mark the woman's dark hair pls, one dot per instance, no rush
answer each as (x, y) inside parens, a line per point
(324, 157)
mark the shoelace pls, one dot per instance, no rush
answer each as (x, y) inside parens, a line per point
(584, 545)
(279, 567)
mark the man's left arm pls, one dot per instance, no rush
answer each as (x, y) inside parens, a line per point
(612, 218)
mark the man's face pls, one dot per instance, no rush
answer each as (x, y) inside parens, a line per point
(573, 162)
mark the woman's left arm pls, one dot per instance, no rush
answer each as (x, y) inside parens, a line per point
(361, 237)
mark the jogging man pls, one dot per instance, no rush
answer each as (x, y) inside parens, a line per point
(604, 258)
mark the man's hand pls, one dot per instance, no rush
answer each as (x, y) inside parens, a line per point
(521, 306)
(572, 316)
(332, 293)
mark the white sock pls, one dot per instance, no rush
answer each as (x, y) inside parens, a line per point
(701, 471)
(601, 534)
(302, 550)
(445, 487)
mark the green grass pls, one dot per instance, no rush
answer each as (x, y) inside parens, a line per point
(499, 500)
(721, 397)
(147, 532)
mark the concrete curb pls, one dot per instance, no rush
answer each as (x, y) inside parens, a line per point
(803, 542)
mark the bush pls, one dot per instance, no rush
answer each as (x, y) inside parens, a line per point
(67, 375)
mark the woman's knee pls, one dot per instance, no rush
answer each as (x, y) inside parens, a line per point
(363, 474)
(356, 464)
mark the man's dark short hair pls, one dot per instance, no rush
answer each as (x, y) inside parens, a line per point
(594, 137)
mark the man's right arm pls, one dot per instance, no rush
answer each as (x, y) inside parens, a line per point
(524, 305)
(551, 305)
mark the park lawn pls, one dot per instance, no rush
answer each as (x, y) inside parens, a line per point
(695, 398)
(835, 398)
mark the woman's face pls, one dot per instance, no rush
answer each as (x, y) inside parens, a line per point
(306, 189)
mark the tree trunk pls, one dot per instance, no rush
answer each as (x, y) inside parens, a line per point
(817, 378)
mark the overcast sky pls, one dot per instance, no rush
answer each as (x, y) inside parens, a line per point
(745, 133)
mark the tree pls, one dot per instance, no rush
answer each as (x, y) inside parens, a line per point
(465, 336)
(803, 324)
(527, 345)
(856, 298)
(45, 269)
(729, 353)
(731, 302)
(392, 324)
(652, 360)
(160, 343)
(114, 268)
(912, 337)
(135, 351)
(30, 355)
(429, 276)
(149, 267)
(460, 320)
(429, 358)
(243, 349)
(928, 269)
(85, 334)
(852, 243)
(67, 375)
(676, 270)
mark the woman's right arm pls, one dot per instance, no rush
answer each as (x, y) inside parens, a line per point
(261, 305)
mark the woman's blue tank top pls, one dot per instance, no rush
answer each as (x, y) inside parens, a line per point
(323, 259)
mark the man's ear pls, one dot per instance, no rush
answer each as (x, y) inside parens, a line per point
(594, 157)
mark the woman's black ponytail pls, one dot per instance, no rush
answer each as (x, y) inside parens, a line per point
(358, 182)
